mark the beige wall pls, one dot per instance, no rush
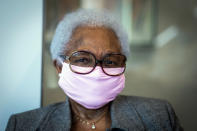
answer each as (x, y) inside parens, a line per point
(170, 72)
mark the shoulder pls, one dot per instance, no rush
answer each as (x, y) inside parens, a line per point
(154, 113)
(143, 103)
(31, 119)
(39, 113)
(138, 100)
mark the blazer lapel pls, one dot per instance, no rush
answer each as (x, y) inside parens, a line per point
(124, 115)
(59, 119)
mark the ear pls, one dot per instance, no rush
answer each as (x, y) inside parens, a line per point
(58, 66)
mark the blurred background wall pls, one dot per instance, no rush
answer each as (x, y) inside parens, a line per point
(163, 42)
(20, 57)
(169, 71)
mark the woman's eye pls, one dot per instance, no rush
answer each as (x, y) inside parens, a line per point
(81, 60)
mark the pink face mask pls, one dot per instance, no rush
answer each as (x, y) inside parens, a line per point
(92, 90)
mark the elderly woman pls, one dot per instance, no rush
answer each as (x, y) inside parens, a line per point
(89, 51)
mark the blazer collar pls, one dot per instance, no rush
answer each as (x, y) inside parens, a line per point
(60, 118)
(123, 116)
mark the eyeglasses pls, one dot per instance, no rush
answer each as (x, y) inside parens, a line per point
(112, 64)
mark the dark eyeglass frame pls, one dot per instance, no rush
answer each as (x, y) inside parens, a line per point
(96, 61)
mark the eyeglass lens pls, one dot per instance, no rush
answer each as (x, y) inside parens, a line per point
(112, 64)
(82, 59)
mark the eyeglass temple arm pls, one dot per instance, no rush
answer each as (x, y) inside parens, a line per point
(64, 57)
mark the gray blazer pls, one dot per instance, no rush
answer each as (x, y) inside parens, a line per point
(128, 113)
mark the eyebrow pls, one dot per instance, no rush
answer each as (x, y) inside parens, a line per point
(102, 55)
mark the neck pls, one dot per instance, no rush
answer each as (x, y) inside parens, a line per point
(88, 114)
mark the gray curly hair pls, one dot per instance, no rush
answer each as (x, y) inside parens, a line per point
(84, 17)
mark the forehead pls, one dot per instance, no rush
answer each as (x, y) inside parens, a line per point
(97, 40)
